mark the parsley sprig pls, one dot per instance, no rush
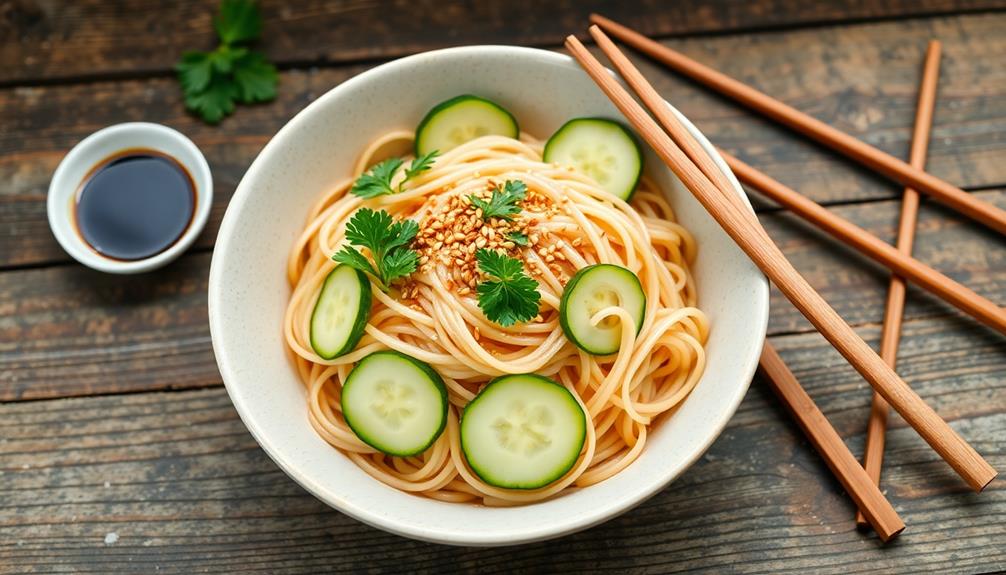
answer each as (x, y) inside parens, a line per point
(503, 201)
(388, 243)
(510, 296)
(213, 81)
(377, 182)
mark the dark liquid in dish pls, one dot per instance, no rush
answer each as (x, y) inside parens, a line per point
(135, 204)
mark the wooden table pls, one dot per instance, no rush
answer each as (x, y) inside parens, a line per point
(120, 450)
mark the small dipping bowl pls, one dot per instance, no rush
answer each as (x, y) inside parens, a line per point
(80, 164)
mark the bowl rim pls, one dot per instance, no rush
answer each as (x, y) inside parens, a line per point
(511, 535)
(60, 189)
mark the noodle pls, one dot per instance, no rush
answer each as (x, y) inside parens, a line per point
(435, 317)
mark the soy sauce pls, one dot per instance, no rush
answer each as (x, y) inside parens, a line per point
(135, 204)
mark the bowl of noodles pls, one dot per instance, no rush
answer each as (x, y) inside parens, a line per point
(456, 299)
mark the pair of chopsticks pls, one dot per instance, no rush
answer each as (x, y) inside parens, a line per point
(696, 170)
(899, 260)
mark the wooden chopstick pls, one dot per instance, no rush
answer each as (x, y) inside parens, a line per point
(870, 501)
(925, 276)
(871, 246)
(873, 453)
(754, 241)
(843, 464)
(813, 128)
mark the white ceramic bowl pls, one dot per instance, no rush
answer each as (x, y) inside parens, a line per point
(248, 293)
(90, 152)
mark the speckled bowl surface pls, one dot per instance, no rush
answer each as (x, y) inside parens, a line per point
(248, 293)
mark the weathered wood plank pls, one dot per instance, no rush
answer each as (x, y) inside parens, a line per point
(69, 330)
(66, 330)
(863, 78)
(184, 488)
(44, 40)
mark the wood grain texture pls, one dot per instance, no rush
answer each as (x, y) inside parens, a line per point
(50, 39)
(862, 78)
(184, 488)
(67, 331)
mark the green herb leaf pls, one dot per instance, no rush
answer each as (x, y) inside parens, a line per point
(420, 165)
(518, 238)
(238, 21)
(511, 296)
(377, 182)
(503, 202)
(225, 57)
(195, 70)
(400, 234)
(388, 244)
(398, 263)
(353, 258)
(256, 78)
(215, 101)
(213, 81)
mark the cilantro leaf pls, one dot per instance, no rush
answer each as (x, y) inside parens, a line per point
(353, 258)
(212, 82)
(388, 244)
(256, 78)
(518, 238)
(398, 263)
(377, 182)
(238, 21)
(420, 165)
(215, 101)
(194, 71)
(400, 234)
(369, 229)
(225, 57)
(503, 202)
(511, 296)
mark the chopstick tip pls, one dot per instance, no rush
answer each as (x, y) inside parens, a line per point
(573, 42)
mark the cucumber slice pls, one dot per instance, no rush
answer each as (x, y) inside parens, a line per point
(460, 119)
(522, 431)
(592, 289)
(602, 149)
(395, 403)
(341, 312)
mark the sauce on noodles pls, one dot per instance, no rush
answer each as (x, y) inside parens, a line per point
(569, 222)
